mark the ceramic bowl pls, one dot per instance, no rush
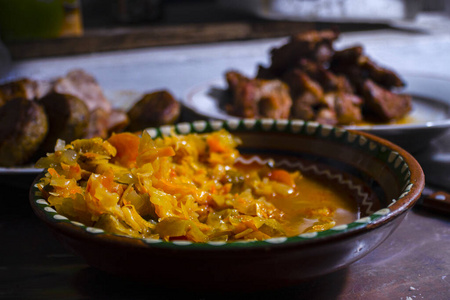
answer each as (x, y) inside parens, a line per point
(384, 180)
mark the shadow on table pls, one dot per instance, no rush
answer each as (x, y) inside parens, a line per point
(93, 283)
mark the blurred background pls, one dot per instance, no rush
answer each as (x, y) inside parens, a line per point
(38, 28)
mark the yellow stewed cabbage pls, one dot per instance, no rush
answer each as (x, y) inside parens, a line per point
(182, 187)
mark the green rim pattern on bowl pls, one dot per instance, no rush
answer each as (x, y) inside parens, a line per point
(394, 160)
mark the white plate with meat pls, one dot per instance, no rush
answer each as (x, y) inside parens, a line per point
(121, 100)
(428, 119)
(38, 113)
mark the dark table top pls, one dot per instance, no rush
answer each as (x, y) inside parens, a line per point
(413, 263)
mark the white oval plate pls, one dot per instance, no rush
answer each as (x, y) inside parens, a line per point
(430, 114)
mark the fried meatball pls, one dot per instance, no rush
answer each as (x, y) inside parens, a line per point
(68, 118)
(154, 109)
(24, 127)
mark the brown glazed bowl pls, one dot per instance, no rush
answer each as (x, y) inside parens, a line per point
(384, 179)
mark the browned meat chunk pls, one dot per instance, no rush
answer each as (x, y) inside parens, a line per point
(345, 62)
(348, 108)
(357, 67)
(327, 80)
(327, 116)
(349, 56)
(380, 75)
(234, 79)
(383, 104)
(299, 82)
(312, 103)
(305, 107)
(255, 98)
(244, 95)
(154, 109)
(24, 126)
(68, 119)
(264, 73)
(314, 45)
(274, 99)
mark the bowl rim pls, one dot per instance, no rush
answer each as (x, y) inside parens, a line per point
(397, 157)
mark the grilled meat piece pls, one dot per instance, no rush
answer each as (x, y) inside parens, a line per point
(154, 109)
(326, 116)
(339, 108)
(383, 76)
(327, 80)
(68, 119)
(305, 107)
(234, 79)
(385, 105)
(299, 82)
(345, 62)
(274, 99)
(357, 67)
(255, 98)
(244, 95)
(264, 73)
(24, 127)
(314, 45)
(347, 108)
(308, 97)
(312, 103)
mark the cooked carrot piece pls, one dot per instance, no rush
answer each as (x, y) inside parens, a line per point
(127, 145)
(282, 176)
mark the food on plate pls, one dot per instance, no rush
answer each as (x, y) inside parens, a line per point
(74, 107)
(24, 127)
(85, 87)
(23, 88)
(373, 83)
(336, 87)
(152, 110)
(68, 119)
(253, 98)
(191, 187)
(383, 104)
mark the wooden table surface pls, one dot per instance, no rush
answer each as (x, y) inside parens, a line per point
(413, 262)
(180, 24)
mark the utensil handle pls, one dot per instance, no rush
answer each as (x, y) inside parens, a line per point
(438, 201)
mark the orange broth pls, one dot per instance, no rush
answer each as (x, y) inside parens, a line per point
(309, 197)
(408, 119)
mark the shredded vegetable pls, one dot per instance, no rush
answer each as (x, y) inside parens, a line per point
(186, 187)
